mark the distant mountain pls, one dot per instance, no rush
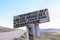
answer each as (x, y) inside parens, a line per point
(50, 30)
(4, 29)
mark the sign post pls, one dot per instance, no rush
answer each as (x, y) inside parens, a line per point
(31, 21)
(33, 31)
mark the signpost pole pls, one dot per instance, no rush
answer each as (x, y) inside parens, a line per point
(33, 31)
(37, 30)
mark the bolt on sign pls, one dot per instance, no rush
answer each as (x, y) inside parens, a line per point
(40, 16)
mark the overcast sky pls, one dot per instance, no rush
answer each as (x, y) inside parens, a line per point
(10, 8)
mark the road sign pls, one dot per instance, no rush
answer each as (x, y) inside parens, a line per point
(40, 16)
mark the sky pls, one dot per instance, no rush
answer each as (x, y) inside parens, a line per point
(10, 8)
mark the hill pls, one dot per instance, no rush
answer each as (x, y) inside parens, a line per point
(4, 29)
(50, 30)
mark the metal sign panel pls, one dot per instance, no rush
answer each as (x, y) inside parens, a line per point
(40, 16)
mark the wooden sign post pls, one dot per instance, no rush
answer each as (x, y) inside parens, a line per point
(31, 21)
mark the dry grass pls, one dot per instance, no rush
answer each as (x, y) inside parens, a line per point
(46, 36)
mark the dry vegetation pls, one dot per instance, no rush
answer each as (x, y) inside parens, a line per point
(44, 36)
